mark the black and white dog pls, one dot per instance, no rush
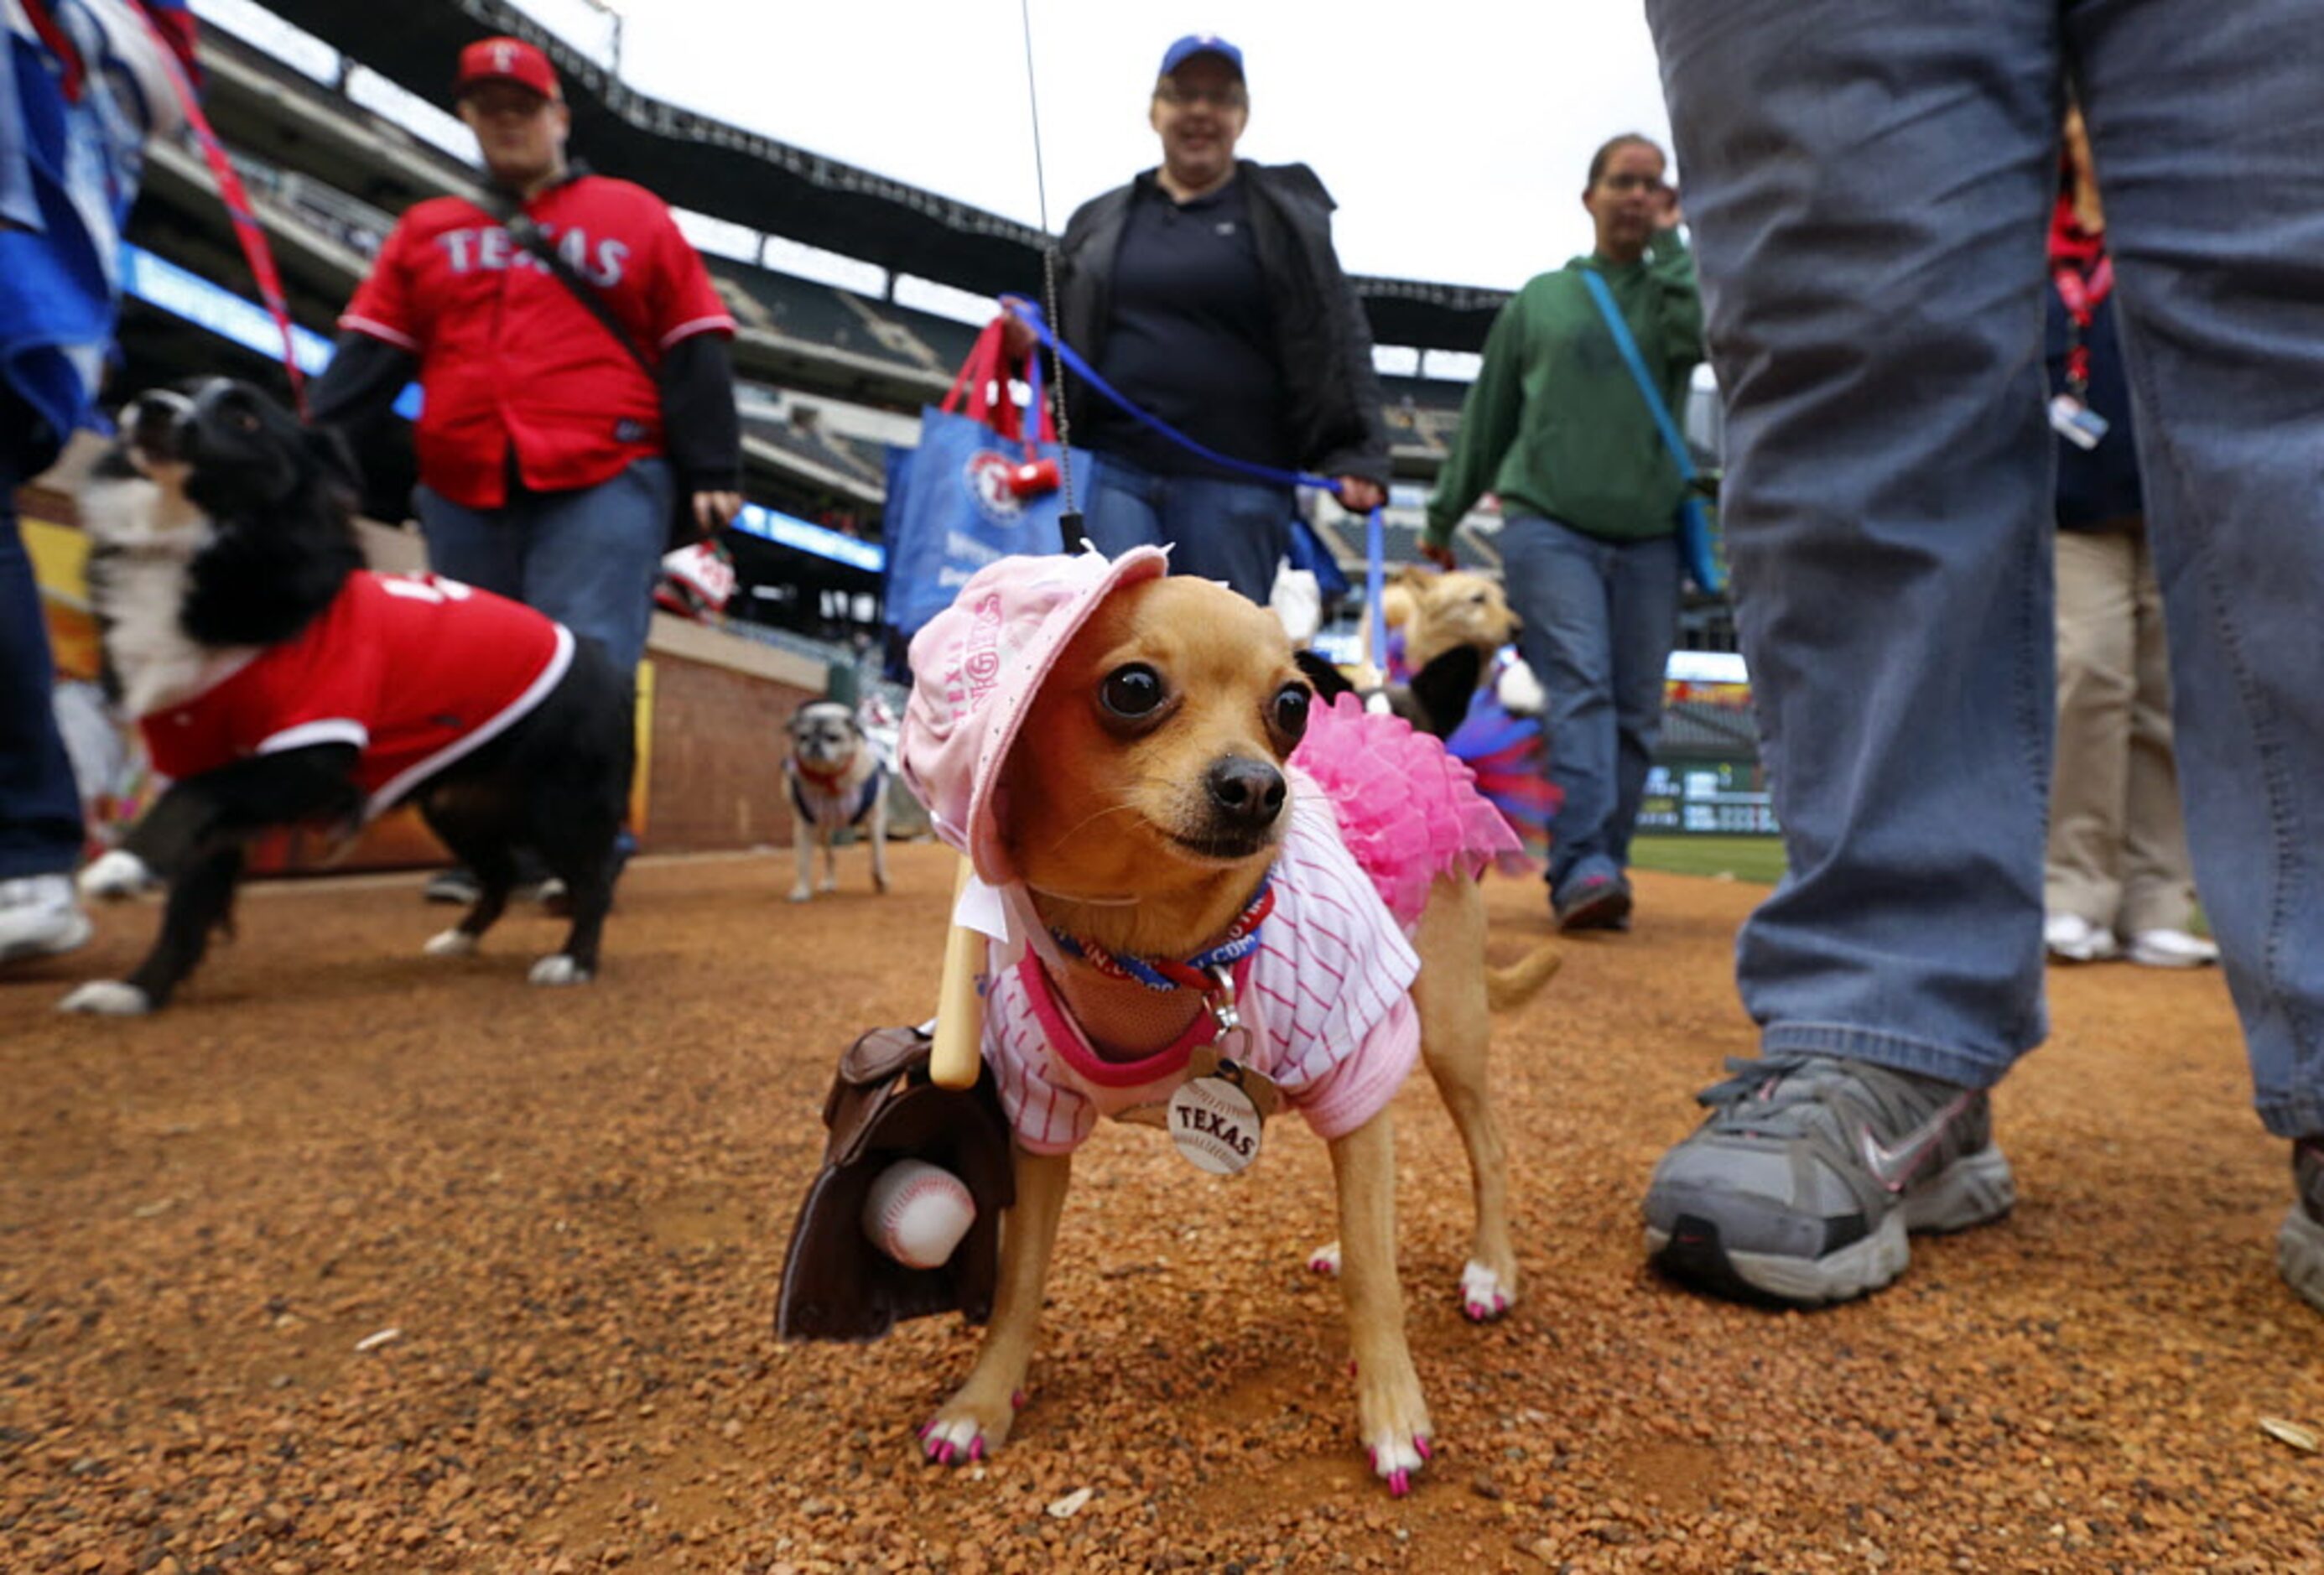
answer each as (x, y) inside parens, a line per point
(837, 781)
(278, 682)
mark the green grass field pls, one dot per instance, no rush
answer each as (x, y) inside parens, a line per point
(1759, 860)
(1753, 859)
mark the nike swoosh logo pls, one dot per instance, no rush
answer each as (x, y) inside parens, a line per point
(1895, 1166)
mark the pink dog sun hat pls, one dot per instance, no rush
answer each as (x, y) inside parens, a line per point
(975, 669)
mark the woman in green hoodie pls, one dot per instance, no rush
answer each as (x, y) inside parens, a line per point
(1556, 427)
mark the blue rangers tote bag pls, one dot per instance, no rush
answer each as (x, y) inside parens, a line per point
(978, 487)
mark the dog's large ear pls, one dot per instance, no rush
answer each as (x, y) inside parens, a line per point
(1319, 670)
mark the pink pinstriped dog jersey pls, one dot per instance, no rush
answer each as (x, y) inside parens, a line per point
(1325, 996)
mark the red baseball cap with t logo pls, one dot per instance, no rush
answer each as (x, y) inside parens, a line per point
(506, 59)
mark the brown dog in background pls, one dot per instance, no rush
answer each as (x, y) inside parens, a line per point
(1453, 609)
(1103, 798)
(1456, 624)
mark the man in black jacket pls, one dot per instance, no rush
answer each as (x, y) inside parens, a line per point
(1207, 292)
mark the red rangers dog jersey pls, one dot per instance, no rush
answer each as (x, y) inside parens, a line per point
(414, 670)
(508, 355)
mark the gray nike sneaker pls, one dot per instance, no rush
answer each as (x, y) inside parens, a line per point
(1811, 1171)
(2299, 1245)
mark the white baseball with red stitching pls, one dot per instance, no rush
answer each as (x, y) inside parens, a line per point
(917, 1213)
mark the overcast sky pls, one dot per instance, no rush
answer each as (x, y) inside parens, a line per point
(1455, 133)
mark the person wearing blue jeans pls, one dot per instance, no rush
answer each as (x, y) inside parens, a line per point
(1558, 428)
(587, 557)
(40, 831)
(1599, 616)
(1206, 291)
(79, 95)
(1869, 183)
(1219, 530)
(565, 414)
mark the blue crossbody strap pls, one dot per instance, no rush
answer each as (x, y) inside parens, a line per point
(1628, 347)
(1700, 562)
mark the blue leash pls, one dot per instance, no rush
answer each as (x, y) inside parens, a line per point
(1375, 549)
(1030, 312)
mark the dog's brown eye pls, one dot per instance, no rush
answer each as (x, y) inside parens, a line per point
(1291, 711)
(1135, 690)
(245, 422)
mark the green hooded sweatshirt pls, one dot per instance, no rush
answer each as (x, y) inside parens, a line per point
(1554, 424)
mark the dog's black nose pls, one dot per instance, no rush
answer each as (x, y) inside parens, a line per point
(1247, 793)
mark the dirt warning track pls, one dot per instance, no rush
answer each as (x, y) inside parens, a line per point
(358, 1260)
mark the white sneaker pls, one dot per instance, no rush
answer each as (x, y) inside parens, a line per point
(2172, 949)
(2072, 938)
(39, 917)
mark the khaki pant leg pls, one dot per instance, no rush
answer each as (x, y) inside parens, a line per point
(2097, 684)
(2158, 879)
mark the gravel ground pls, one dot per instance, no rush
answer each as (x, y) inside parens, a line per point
(360, 1261)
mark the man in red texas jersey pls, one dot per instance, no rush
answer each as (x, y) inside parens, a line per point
(547, 457)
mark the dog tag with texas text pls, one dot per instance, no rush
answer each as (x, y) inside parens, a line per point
(1218, 1116)
(1214, 1125)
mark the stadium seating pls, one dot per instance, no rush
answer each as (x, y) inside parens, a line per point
(329, 175)
(802, 310)
(819, 318)
(831, 457)
(1694, 727)
(949, 341)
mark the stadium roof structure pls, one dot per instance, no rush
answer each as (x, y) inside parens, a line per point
(721, 170)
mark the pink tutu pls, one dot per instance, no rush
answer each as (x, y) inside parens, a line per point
(1408, 811)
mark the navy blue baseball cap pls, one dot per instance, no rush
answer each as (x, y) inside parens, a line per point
(1202, 43)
